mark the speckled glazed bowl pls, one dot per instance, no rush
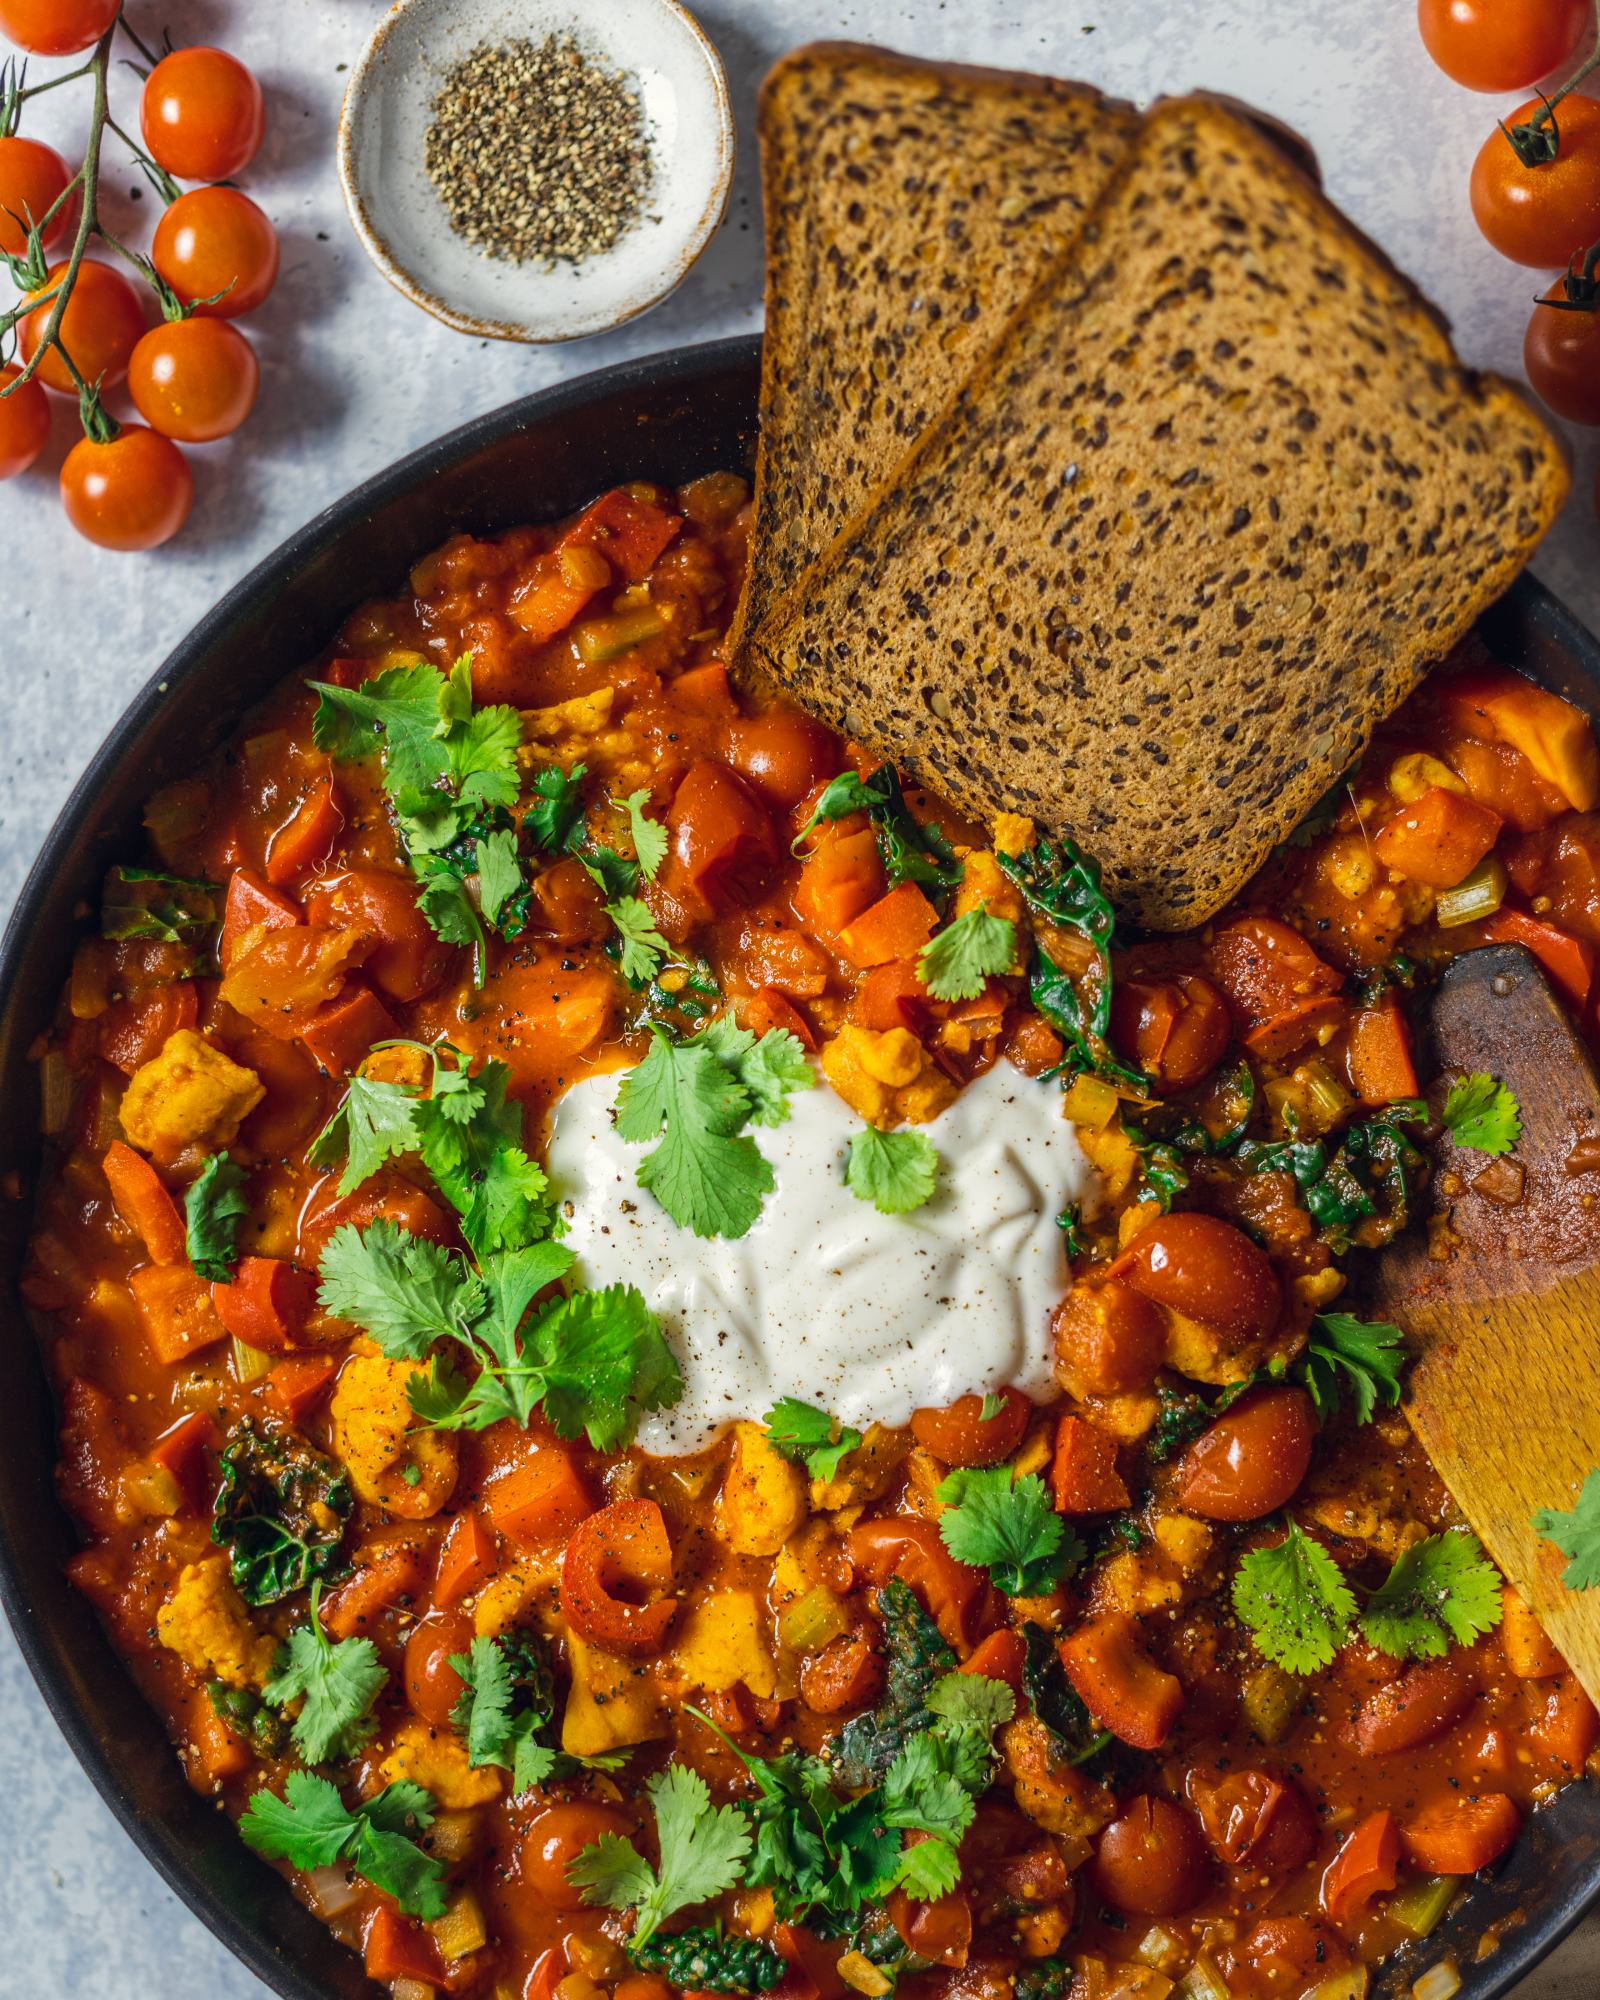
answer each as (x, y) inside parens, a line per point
(403, 225)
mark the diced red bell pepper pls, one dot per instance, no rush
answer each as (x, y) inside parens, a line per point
(1117, 1681)
(1462, 1833)
(267, 1304)
(389, 1573)
(132, 1031)
(772, 1009)
(1556, 737)
(1000, 1657)
(896, 926)
(1438, 839)
(1381, 1068)
(621, 1548)
(182, 1450)
(341, 1035)
(144, 1204)
(893, 996)
(1367, 1865)
(1300, 1024)
(250, 902)
(307, 840)
(557, 592)
(906, 1546)
(724, 848)
(396, 1948)
(467, 1559)
(176, 1310)
(1084, 1470)
(540, 1497)
(299, 1382)
(1570, 962)
(631, 534)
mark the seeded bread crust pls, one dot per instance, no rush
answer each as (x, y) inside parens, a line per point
(1209, 511)
(910, 208)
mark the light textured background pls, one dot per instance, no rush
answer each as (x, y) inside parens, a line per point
(354, 377)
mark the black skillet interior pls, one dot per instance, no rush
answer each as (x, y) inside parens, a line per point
(666, 418)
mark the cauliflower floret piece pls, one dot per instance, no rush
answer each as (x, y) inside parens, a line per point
(763, 1497)
(205, 1622)
(1013, 834)
(1050, 1790)
(723, 1642)
(582, 715)
(191, 1093)
(982, 881)
(392, 1463)
(437, 1759)
(612, 1702)
(888, 1077)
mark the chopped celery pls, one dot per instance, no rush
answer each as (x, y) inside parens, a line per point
(601, 639)
(1480, 895)
(1419, 1908)
(807, 1626)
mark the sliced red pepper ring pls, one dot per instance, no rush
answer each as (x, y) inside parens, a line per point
(620, 1548)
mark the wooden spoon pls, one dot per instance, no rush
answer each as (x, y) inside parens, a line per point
(1501, 1300)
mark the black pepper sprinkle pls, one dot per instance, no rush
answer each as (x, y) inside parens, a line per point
(538, 153)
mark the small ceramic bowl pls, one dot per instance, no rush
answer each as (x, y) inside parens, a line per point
(682, 90)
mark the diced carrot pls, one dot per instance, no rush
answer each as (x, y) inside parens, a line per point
(250, 902)
(340, 1035)
(772, 1009)
(131, 1031)
(212, 1752)
(1564, 1728)
(558, 592)
(1381, 1068)
(629, 533)
(1438, 839)
(144, 1204)
(267, 1304)
(780, 955)
(540, 1497)
(838, 882)
(395, 1948)
(704, 690)
(1000, 1657)
(1529, 1651)
(175, 1307)
(1117, 1681)
(1556, 737)
(1084, 1471)
(1300, 1024)
(893, 996)
(1366, 1866)
(940, 1932)
(281, 979)
(1462, 1833)
(467, 1559)
(299, 1381)
(1570, 962)
(308, 837)
(394, 1571)
(1418, 1706)
(896, 926)
(181, 1450)
(1033, 1045)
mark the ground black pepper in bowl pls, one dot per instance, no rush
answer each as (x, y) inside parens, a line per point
(538, 152)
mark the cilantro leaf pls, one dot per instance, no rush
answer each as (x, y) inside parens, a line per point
(644, 949)
(1364, 1357)
(396, 712)
(1482, 1114)
(956, 962)
(500, 878)
(600, 1359)
(770, 1069)
(928, 1869)
(480, 744)
(337, 1685)
(310, 1827)
(649, 835)
(1441, 1590)
(705, 1174)
(1575, 1531)
(505, 1706)
(809, 1436)
(895, 1171)
(470, 1135)
(702, 1849)
(1295, 1602)
(404, 1290)
(213, 1209)
(375, 1122)
(1008, 1527)
(555, 808)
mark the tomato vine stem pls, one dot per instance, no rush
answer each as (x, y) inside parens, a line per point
(1538, 142)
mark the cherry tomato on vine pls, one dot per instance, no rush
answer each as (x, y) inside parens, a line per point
(1546, 214)
(202, 115)
(24, 424)
(55, 27)
(1562, 357)
(101, 327)
(194, 379)
(1501, 44)
(215, 240)
(32, 177)
(133, 492)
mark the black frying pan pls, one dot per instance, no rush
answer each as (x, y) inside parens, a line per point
(664, 418)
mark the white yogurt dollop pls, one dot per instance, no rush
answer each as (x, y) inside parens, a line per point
(868, 1316)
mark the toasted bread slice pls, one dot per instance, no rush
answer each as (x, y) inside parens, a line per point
(1207, 513)
(910, 207)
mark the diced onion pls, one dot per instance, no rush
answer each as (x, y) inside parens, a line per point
(1090, 1102)
(333, 1891)
(250, 1363)
(1439, 1982)
(859, 1972)
(413, 1989)
(1158, 1947)
(55, 1092)
(809, 1625)
(1203, 1982)
(1350, 1985)
(1480, 895)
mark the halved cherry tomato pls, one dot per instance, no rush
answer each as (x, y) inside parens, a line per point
(723, 843)
(1430, 1697)
(101, 326)
(1117, 1681)
(194, 379)
(555, 1839)
(433, 1687)
(1253, 1819)
(940, 1932)
(1206, 1269)
(202, 114)
(1109, 1339)
(1284, 1950)
(906, 1546)
(1366, 1866)
(1177, 1028)
(24, 424)
(621, 1547)
(1150, 1861)
(1542, 215)
(1265, 967)
(267, 1304)
(1462, 1833)
(134, 492)
(1251, 1460)
(217, 251)
(1501, 44)
(783, 754)
(33, 177)
(55, 27)
(961, 1434)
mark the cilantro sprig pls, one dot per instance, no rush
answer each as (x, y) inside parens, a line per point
(1482, 1114)
(896, 1171)
(336, 1685)
(809, 1436)
(311, 1827)
(912, 850)
(956, 962)
(1363, 1359)
(213, 1208)
(505, 1707)
(1575, 1531)
(702, 1851)
(1007, 1526)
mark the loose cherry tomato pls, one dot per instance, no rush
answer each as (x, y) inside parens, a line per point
(133, 493)
(102, 325)
(1251, 1460)
(783, 754)
(433, 1687)
(214, 240)
(962, 1435)
(194, 379)
(1253, 1819)
(1109, 1340)
(1562, 357)
(1176, 1028)
(1206, 1269)
(32, 177)
(202, 115)
(723, 845)
(555, 1840)
(621, 1548)
(1546, 214)
(55, 27)
(1150, 1861)
(24, 424)
(1501, 44)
